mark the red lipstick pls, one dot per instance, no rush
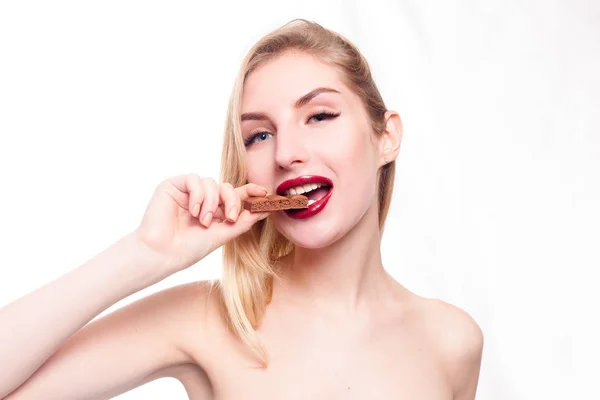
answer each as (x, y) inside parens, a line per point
(313, 208)
(302, 180)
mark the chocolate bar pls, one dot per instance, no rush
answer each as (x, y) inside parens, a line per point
(274, 202)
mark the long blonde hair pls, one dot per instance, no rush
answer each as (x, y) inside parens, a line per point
(249, 260)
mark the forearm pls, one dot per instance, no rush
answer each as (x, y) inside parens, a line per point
(33, 327)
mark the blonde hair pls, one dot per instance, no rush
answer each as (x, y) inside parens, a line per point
(249, 261)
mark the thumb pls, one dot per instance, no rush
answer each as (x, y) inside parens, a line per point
(227, 231)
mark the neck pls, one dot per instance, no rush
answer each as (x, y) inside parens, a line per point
(341, 276)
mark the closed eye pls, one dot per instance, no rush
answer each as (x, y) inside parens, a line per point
(323, 115)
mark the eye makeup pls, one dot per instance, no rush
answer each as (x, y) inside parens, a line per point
(320, 116)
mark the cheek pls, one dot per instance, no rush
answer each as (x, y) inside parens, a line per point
(354, 157)
(350, 147)
(259, 169)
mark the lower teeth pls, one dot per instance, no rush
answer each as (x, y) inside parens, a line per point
(311, 201)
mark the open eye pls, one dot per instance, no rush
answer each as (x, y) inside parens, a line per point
(255, 136)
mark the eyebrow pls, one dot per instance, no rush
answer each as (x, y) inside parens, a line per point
(302, 101)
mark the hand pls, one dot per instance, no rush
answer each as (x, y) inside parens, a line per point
(189, 217)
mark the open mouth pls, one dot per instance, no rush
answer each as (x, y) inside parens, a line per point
(313, 191)
(318, 190)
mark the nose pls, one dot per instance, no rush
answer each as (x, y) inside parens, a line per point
(290, 149)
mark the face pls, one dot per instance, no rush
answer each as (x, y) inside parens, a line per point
(326, 136)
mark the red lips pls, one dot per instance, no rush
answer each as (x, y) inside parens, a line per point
(302, 180)
(315, 207)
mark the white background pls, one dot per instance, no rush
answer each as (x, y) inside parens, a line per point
(497, 192)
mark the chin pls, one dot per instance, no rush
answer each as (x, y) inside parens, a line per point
(323, 229)
(311, 242)
(310, 237)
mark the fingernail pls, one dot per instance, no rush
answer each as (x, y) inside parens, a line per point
(232, 214)
(207, 218)
(195, 210)
(263, 216)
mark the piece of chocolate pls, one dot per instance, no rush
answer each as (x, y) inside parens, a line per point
(274, 202)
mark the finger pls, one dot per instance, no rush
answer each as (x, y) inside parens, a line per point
(211, 201)
(241, 193)
(227, 231)
(194, 187)
(219, 214)
(176, 188)
(230, 201)
(251, 190)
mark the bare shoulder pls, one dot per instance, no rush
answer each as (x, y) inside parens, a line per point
(457, 333)
(458, 341)
(181, 304)
(192, 310)
(196, 305)
(190, 313)
(196, 296)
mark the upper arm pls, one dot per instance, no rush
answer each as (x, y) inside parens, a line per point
(460, 344)
(118, 352)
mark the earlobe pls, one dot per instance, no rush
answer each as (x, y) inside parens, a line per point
(391, 138)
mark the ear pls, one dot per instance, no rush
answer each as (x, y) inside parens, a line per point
(391, 138)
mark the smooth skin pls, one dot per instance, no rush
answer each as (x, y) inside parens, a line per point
(338, 326)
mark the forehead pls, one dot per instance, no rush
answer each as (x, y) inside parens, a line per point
(283, 80)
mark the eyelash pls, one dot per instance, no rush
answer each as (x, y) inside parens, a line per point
(328, 115)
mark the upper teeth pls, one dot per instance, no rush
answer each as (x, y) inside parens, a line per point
(303, 188)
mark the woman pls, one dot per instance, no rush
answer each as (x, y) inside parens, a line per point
(305, 308)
